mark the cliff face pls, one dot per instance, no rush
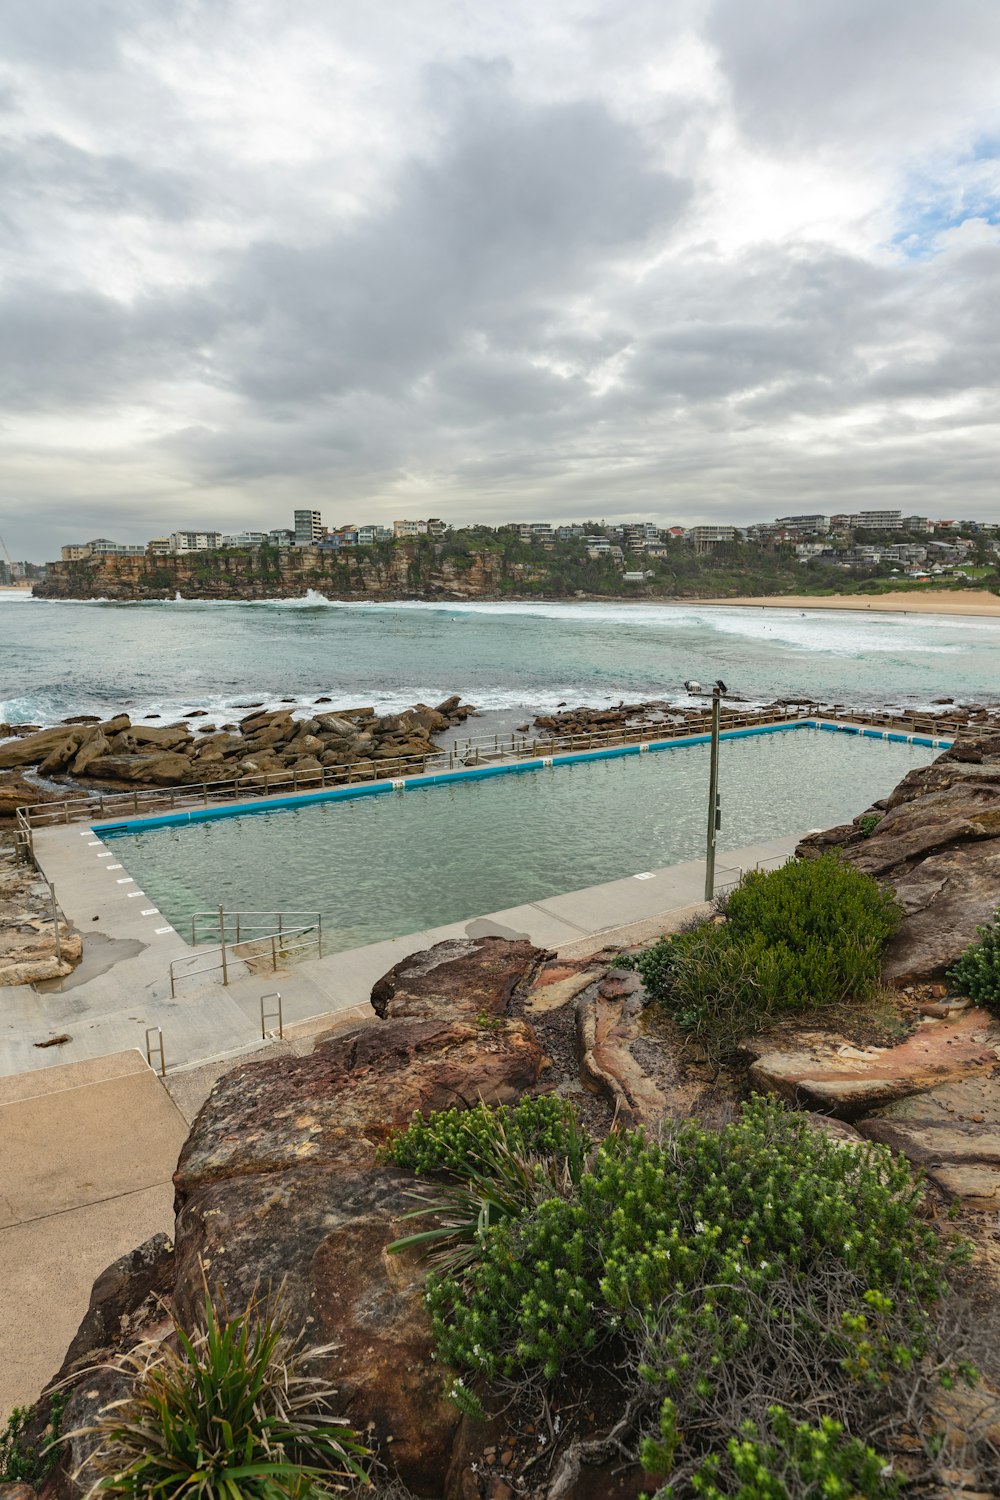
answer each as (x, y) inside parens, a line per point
(400, 573)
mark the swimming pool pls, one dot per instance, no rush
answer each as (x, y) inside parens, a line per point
(381, 866)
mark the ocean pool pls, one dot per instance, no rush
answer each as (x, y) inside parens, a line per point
(381, 866)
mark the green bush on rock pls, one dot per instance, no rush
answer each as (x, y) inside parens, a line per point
(795, 1461)
(977, 972)
(717, 1276)
(807, 935)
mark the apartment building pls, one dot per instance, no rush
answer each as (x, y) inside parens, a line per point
(707, 538)
(101, 546)
(308, 528)
(195, 541)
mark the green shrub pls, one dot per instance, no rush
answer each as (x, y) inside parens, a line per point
(820, 900)
(869, 823)
(653, 1226)
(506, 1161)
(21, 1460)
(230, 1412)
(808, 935)
(977, 972)
(795, 1461)
(454, 1140)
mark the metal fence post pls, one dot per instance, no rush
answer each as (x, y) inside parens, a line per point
(222, 936)
(55, 923)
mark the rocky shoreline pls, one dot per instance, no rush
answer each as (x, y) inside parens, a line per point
(114, 752)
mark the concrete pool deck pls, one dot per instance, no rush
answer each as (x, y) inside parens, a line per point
(122, 986)
(85, 1176)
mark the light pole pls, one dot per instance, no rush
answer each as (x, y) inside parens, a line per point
(714, 809)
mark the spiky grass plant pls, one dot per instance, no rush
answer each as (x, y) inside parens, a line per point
(506, 1162)
(228, 1413)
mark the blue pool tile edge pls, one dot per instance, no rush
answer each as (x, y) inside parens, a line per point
(480, 773)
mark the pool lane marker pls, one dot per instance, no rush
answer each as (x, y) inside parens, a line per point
(125, 880)
(161, 930)
(130, 894)
(149, 911)
(111, 867)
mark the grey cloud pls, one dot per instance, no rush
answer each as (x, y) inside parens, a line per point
(79, 348)
(49, 168)
(812, 73)
(521, 203)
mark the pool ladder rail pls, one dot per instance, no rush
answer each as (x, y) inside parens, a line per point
(250, 940)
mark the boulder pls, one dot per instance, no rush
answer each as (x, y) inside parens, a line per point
(255, 722)
(91, 748)
(164, 768)
(430, 718)
(35, 748)
(321, 1234)
(115, 725)
(819, 1070)
(126, 1298)
(278, 1185)
(163, 739)
(339, 1104)
(16, 792)
(336, 726)
(461, 977)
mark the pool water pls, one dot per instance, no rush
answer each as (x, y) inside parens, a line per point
(379, 867)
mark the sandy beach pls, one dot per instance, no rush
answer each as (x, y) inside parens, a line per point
(928, 602)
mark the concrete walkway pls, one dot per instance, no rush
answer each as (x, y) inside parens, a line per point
(88, 1153)
(121, 988)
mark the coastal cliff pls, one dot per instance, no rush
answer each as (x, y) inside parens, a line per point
(395, 572)
(474, 564)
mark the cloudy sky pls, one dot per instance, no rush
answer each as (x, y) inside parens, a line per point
(676, 260)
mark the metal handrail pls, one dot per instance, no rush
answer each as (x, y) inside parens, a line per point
(473, 751)
(245, 930)
(285, 944)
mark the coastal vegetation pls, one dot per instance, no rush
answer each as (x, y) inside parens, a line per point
(765, 1302)
(229, 1410)
(806, 937)
(977, 972)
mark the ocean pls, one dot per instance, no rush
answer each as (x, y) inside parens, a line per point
(59, 658)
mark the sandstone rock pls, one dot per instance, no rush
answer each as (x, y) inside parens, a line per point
(430, 719)
(253, 723)
(16, 792)
(34, 749)
(461, 977)
(938, 845)
(817, 1070)
(605, 1029)
(557, 985)
(321, 1233)
(953, 1133)
(162, 768)
(16, 1490)
(165, 739)
(115, 725)
(337, 726)
(92, 746)
(343, 1101)
(124, 1302)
